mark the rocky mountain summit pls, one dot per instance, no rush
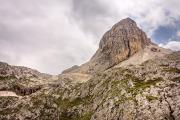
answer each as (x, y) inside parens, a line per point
(122, 41)
(128, 78)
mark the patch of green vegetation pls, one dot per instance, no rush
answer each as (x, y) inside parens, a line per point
(147, 62)
(63, 103)
(86, 116)
(151, 98)
(171, 70)
(65, 115)
(131, 77)
(144, 84)
(76, 102)
(119, 71)
(114, 92)
(7, 77)
(123, 100)
(176, 79)
(106, 82)
(2, 78)
(115, 82)
(66, 103)
(116, 87)
(48, 112)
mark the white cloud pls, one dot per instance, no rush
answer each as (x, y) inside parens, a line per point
(49, 41)
(53, 35)
(173, 45)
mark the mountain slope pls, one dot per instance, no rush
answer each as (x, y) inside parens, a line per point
(130, 80)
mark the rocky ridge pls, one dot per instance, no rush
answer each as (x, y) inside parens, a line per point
(128, 78)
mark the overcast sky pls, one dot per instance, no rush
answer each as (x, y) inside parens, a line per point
(52, 35)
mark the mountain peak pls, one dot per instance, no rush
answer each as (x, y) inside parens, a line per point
(125, 30)
(119, 43)
(127, 21)
(122, 41)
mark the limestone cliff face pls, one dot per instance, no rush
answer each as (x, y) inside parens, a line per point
(122, 41)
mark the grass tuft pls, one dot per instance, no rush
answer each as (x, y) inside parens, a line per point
(151, 98)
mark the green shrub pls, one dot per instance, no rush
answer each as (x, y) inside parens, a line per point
(144, 84)
(66, 103)
(65, 115)
(86, 116)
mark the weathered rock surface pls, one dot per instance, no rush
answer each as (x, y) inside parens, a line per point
(121, 42)
(138, 81)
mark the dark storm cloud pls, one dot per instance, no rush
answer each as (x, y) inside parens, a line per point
(87, 9)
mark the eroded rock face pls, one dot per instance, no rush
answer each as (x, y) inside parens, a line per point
(25, 90)
(122, 41)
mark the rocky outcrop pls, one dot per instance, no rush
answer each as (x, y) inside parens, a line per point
(122, 41)
(21, 80)
(20, 72)
(20, 90)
